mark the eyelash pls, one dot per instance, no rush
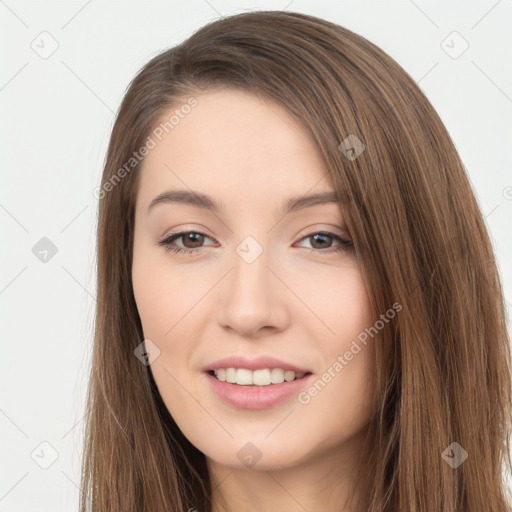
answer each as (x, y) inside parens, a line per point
(345, 245)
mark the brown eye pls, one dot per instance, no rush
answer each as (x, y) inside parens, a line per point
(192, 240)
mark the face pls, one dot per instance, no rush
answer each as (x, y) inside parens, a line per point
(251, 284)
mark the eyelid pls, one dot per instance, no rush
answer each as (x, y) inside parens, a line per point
(338, 230)
(180, 234)
(344, 242)
(185, 230)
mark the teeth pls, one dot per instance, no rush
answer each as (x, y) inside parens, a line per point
(289, 376)
(277, 376)
(243, 377)
(231, 375)
(263, 377)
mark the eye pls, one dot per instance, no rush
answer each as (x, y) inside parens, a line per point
(323, 239)
(194, 240)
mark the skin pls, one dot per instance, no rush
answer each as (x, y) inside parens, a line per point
(296, 302)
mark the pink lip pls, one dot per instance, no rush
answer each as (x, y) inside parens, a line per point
(254, 364)
(255, 397)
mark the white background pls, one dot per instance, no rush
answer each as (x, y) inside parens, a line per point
(56, 116)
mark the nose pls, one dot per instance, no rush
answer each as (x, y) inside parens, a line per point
(253, 297)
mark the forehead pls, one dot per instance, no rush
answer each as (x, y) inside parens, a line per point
(231, 141)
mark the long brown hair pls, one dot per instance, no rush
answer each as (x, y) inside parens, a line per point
(418, 234)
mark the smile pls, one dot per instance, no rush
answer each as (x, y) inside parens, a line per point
(261, 377)
(245, 395)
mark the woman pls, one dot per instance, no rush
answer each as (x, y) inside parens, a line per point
(267, 155)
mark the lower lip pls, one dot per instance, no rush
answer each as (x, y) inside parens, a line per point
(256, 397)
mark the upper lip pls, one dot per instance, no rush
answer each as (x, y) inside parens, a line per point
(257, 363)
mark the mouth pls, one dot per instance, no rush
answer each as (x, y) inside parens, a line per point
(256, 378)
(262, 388)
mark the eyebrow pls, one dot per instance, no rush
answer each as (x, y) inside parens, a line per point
(199, 200)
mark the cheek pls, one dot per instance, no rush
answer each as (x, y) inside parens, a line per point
(338, 299)
(172, 303)
(167, 302)
(342, 389)
(163, 295)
